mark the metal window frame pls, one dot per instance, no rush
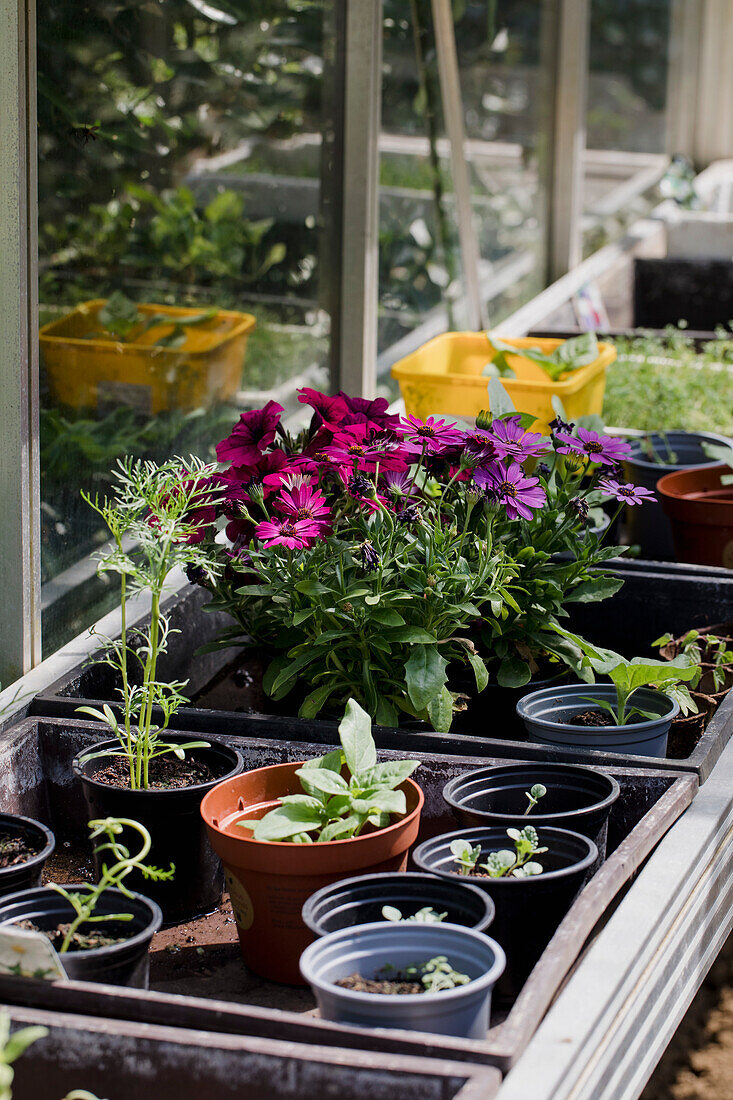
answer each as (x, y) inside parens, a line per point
(20, 632)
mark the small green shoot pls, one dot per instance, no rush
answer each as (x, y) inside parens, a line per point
(534, 794)
(426, 915)
(504, 863)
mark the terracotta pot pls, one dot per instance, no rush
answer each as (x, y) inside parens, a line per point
(270, 881)
(700, 509)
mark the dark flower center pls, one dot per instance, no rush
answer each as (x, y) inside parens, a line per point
(508, 489)
(426, 429)
(288, 528)
(625, 491)
(593, 447)
(355, 449)
(303, 513)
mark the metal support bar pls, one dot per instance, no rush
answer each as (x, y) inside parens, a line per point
(20, 621)
(357, 323)
(450, 90)
(566, 202)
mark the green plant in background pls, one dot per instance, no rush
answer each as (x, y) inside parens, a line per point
(332, 807)
(85, 903)
(157, 510)
(567, 357)
(504, 863)
(124, 322)
(11, 1048)
(701, 649)
(533, 795)
(663, 384)
(723, 453)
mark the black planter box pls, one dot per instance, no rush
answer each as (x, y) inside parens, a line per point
(221, 997)
(667, 291)
(656, 597)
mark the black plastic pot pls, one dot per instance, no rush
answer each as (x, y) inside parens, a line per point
(360, 900)
(463, 1011)
(25, 875)
(174, 822)
(578, 798)
(548, 716)
(495, 708)
(646, 524)
(528, 910)
(123, 963)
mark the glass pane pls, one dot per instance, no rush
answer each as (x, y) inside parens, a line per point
(180, 148)
(626, 114)
(505, 68)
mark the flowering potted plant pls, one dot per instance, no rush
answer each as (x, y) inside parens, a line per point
(424, 550)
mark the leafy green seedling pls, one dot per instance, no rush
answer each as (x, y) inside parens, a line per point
(335, 808)
(568, 356)
(435, 975)
(123, 321)
(85, 903)
(669, 677)
(661, 457)
(426, 915)
(504, 863)
(706, 649)
(534, 794)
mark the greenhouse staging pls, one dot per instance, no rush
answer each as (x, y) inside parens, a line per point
(366, 642)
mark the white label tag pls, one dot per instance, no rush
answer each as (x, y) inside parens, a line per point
(29, 954)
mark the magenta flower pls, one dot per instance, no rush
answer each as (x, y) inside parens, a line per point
(629, 494)
(432, 436)
(331, 409)
(362, 410)
(512, 441)
(294, 533)
(605, 449)
(399, 484)
(509, 486)
(357, 446)
(478, 445)
(300, 502)
(251, 435)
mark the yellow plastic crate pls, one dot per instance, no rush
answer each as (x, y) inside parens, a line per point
(444, 377)
(88, 372)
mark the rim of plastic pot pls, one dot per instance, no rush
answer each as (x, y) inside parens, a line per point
(671, 486)
(30, 825)
(476, 985)
(638, 459)
(480, 774)
(527, 704)
(82, 759)
(331, 845)
(143, 936)
(477, 832)
(381, 879)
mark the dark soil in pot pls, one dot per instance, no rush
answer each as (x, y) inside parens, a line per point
(360, 900)
(171, 814)
(528, 910)
(124, 962)
(25, 846)
(577, 798)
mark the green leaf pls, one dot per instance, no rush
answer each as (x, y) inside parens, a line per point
(412, 635)
(290, 670)
(323, 780)
(479, 670)
(424, 675)
(287, 820)
(315, 700)
(20, 1040)
(332, 761)
(578, 351)
(312, 587)
(440, 711)
(513, 673)
(500, 403)
(594, 590)
(355, 732)
(341, 830)
(386, 714)
(386, 802)
(387, 616)
(388, 774)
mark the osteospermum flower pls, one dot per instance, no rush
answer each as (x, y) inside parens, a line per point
(356, 447)
(302, 503)
(252, 434)
(628, 493)
(294, 533)
(605, 449)
(510, 440)
(508, 485)
(478, 445)
(432, 436)
(331, 409)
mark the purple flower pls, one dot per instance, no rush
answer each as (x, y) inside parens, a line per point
(251, 435)
(598, 448)
(374, 413)
(512, 441)
(628, 493)
(331, 409)
(301, 502)
(294, 533)
(398, 483)
(433, 436)
(509, 486)
(369, 556)
(478, 446)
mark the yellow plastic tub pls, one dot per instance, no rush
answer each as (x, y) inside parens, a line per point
(444, 377)
(88, 372)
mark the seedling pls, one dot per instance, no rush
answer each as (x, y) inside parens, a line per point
(335, 808)
(426, 915)
(662, 456)
(534, 794)
(435, 975)
(504, 863)
(124, 322)
(568, 356)
(669, 677)
(706, 649)
(11, 1048)
(85, 903)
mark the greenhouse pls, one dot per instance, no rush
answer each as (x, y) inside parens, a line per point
(366, 642)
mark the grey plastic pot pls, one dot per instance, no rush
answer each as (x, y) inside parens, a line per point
(528, 910)
(578, 798)
(464, 1011)
(124, 963)
(360, 900)
(647, 524)
(548, 716)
